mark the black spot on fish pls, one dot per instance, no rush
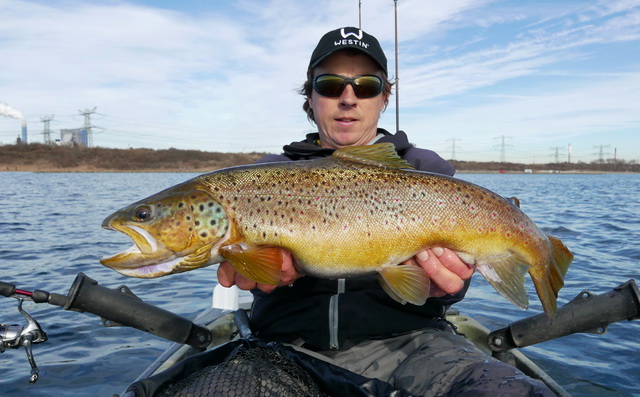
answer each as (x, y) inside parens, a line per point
(203, 234)
(197, 223)
(212, 222)
(201, 207)
(180, 205)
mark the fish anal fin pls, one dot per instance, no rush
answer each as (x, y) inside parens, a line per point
(406, 283)
(506, 274)
(262, 264)
(380, 154)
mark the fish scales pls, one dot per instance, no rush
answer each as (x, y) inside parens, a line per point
(359, 212)
(332, 217)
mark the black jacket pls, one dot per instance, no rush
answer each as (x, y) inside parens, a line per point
(334, 314)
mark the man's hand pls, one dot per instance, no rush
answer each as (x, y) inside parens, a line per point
(227, 275)
(445, 269)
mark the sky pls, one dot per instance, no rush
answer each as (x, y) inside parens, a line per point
(478, 80)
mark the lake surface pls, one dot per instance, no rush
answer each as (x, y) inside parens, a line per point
(50, 230)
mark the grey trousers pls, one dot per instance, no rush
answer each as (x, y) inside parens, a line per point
(430, 362)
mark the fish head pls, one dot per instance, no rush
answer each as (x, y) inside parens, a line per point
(173, 231)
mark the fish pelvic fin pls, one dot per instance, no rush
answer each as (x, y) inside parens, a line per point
(380, 154)
(405, 283)
(506, 274)
(262, 264)
(549, 283)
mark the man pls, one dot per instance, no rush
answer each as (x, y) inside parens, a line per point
(353, 323)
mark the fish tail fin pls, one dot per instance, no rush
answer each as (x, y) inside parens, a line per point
(406, 283)
(506, 274)
(549, 283)
(262, 264)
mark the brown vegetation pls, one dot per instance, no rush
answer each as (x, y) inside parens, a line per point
(579, 167)
(39, 157)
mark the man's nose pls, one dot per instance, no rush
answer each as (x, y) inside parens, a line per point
(348, 96)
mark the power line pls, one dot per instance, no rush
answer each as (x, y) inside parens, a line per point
(47, 132)
(503, 146)
(87, 124)
(601, 153)
(454, 147)
(557, 150)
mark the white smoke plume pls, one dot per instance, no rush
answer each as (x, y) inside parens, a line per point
(8, 111)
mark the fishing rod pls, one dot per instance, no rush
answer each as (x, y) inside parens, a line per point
(397, 80)
(118, 307)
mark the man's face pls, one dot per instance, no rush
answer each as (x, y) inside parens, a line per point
(346, 120)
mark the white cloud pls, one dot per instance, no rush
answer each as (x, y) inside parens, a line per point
(224, 76)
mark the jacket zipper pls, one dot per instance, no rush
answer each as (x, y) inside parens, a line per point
(333, 316)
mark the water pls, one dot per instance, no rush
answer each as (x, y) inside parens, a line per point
(50, 231)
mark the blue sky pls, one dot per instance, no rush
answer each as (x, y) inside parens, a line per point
(542, 77)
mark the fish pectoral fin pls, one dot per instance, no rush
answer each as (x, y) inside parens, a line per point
(262, 264)
(380, 154)
(405, 283)
(506, 274)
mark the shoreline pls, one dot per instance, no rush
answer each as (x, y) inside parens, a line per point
(203, 170)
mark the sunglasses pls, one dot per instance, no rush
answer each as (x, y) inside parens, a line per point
(332, 85)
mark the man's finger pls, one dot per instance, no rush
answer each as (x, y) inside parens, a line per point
(226, 275)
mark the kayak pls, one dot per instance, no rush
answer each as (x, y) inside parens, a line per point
(221, 320)
(217, 349)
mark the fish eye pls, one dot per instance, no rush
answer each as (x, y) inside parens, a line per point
(142, 214)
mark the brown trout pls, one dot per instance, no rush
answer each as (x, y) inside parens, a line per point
(361, 211)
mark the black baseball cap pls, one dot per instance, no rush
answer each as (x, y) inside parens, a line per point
(349, 38)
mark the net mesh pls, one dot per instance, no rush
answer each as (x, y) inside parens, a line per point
(246, 372)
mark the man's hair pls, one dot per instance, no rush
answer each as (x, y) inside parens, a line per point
(307, 88)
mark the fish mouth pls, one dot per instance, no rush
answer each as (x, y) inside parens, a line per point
(150, 271)
(145, 258)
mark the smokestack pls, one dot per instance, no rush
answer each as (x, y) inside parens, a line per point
(8, 111)
(24, 131)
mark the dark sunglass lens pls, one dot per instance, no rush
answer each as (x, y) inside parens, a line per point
(330, 86)
(367, 86)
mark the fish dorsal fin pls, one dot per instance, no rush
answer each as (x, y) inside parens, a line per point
(515, 201)
(380, 154)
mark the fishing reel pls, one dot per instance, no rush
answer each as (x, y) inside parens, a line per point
(14, 336)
